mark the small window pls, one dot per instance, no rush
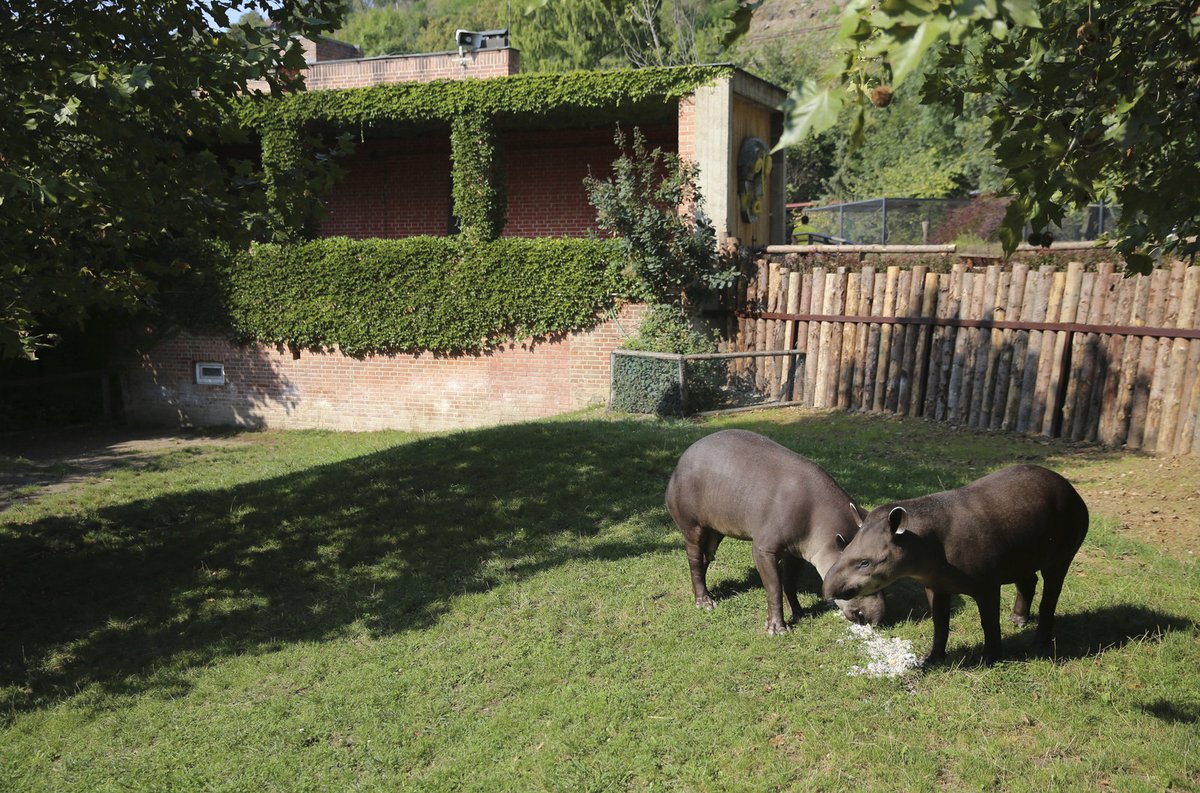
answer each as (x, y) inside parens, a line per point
(210, 374)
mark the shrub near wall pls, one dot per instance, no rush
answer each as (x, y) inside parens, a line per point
(438, 294)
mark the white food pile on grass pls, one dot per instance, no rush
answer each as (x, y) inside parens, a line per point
(889, 657)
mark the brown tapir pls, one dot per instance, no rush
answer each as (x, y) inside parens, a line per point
(1001, 529)
(739, 484)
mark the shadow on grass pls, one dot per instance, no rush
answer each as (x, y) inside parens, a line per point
(1077, 635)
(129, 597)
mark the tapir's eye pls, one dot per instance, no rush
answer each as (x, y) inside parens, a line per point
(864, 564)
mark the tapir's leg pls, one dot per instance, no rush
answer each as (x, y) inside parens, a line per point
(1025, 589)
(939, 608)
(696, 541)
(988, 601)
(1052, 583)
(767, 563)
(790, 569)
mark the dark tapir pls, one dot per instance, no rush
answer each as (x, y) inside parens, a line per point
(735, 483)
(1001, 529)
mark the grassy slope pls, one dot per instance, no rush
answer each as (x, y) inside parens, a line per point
(509, 609)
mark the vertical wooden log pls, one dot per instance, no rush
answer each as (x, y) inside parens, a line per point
(834, 361)
(949, 341)
(1112, 353)
(1067, 314)
(984, 346)
(958, 366)
(1140, 404)
(1177, 364)
(924, 352)
(849, 341)
(806, 288)
(771, 365)
(1006, 372)
(760, 325)
(814, 337)
(999, 353)
(792, 306)
(866, 295)
(1033, 309)
(1122, 407)
(937, 334)
(1189, 419)
(1073, 359)
(875, 335)
(1041, 356)
(885, 339)
(899, 332)
(1154, 409)
(1083, 355)
(908, 356)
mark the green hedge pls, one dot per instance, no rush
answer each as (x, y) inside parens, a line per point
(440, 294)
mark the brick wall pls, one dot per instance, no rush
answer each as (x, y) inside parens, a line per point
(268, 387)
(545, 177)
(424, 68)
(392, 188)
(401, 188)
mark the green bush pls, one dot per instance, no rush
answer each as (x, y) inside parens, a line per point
(440, 294)
(651, 385)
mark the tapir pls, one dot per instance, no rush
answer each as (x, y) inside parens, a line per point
(1001, 529)
(739, 484)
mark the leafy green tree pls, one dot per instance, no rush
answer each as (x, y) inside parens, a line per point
(1086, 100)
(117, 135)
(385, 29)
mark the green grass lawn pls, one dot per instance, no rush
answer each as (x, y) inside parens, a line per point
(509, 609)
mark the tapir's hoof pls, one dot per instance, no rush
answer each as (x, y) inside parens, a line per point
(706, 603)
(777, 629)
(1020, 620)
(933, 658)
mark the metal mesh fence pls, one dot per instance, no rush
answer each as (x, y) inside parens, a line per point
(919, 221)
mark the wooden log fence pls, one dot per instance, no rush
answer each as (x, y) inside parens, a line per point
(1086, 355)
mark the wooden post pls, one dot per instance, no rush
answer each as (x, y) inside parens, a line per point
(862, 369)
(984, 345)
(1067, 313)
(1045, 355)
(998, 348)
(1077, 355)
(954, 397)
(875, 332)
(1024, 367)
(921, 354)
(1140, 404)
(789, 334)
(908, 351)
(1019, 342)
(885, 339)
(954, 309)
(806, 290)
(849, 337)
(1122, 405)
(1177, 362)
(1006, 372)
(1103, 412)
(937, 338)
(814, 338)
(1154, 410)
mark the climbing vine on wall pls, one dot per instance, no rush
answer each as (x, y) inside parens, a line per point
(294, 127)
(478, 182)
(441, 294)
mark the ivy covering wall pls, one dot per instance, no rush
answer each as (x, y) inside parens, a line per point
(440, 294)
(293, 128)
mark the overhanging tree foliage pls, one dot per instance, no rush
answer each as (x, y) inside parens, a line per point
(116, 136)
(1087, 101)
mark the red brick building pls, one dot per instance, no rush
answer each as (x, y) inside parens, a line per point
(398, 183)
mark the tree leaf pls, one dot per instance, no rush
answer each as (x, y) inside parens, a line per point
(809, 111)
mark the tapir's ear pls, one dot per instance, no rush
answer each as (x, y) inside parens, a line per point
(896, 519)
(841, 542)
(858, 513)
